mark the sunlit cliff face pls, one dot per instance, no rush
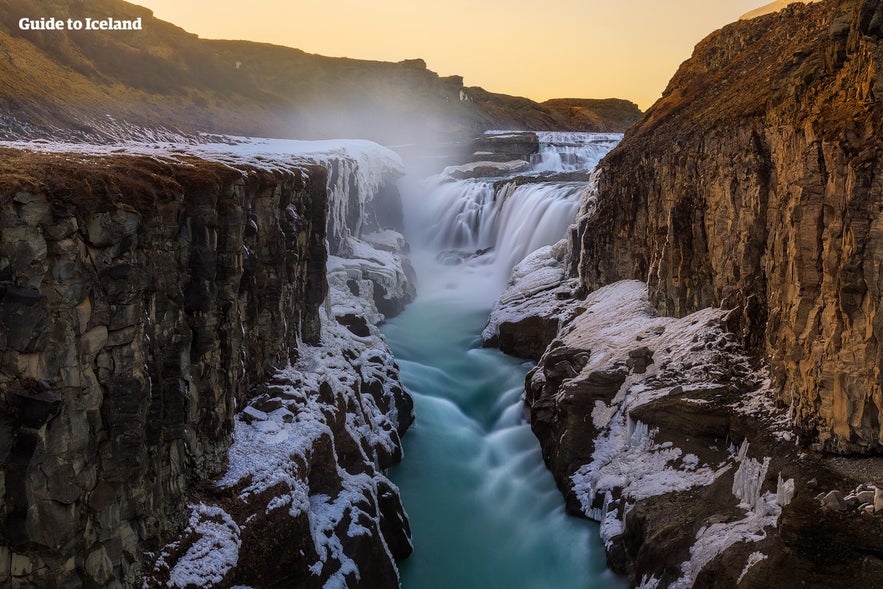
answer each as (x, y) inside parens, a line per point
(772, 7)
(561, 48)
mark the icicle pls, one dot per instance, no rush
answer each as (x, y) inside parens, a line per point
(784, 491)
(640, 435)
(743, 451)
(748, 482)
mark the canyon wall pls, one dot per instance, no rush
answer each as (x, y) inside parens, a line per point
(754, 184)
(711, 326)
(143, 302)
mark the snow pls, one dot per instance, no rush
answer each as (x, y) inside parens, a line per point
(261, 451)
(270, 449)
(716, 538)
(264, 452)
(537, 288)
(373, 160)
(691, 354)
(214, 553)
(761, 403)
(387, 240)
(753, 559)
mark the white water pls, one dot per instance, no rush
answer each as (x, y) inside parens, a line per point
(502, 224)
(572, 152)
(485, 512)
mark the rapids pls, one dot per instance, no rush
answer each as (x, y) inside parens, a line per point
(485, 512)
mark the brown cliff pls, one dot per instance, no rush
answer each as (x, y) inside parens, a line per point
(608, 115)
(753, 184)
(746, 203)
(144, 301)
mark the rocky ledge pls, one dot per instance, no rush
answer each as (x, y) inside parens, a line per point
(716, 315)
(156, 308)
(666, 432)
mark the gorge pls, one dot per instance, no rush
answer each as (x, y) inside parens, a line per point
(230, 361)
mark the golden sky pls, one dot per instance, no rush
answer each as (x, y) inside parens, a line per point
(536, 48)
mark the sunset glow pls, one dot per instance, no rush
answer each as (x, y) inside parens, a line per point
(557, 48)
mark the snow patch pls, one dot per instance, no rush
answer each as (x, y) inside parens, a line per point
(753, 559)
(716, 538)
(215, 552)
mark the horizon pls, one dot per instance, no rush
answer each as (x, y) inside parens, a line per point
(617, 51)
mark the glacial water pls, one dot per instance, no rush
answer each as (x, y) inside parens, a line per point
(485, 512)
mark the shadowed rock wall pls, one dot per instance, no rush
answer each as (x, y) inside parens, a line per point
(139, 302)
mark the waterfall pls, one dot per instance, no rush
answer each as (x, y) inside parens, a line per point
(531, 216)
(465, 211)
(499, 220)
(572, 152)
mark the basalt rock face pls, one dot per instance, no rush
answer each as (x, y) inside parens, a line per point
(140, 302)
(754, 185)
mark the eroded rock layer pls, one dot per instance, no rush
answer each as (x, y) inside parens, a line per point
(142, 301)
(754, 184)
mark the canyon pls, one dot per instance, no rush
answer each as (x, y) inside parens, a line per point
(196, 384)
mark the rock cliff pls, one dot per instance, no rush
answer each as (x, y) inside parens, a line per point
(753, 185)
(144, 301)
(712, 328)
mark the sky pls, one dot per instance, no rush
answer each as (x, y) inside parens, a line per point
(540, 49)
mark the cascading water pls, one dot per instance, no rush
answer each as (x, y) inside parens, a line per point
(496, 221)
(531, 216)
(572, 152)
(485, 513)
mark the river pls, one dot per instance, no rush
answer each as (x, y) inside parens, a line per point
(485, 512)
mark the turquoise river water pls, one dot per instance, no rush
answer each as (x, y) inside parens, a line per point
(484, 510)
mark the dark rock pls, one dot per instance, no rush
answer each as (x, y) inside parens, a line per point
(151, 327)
(688, 419)
(394, 523)
(37, 408)
(510, 145)
(527, 338)
(639, 359)
(24, 318)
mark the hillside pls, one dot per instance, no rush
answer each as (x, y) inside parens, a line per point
(88, 82)
(592, 114)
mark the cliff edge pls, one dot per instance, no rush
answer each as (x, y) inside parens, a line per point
(193, 391)
(708, 335)
(753, 185)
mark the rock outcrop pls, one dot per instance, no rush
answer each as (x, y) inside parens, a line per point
(539, 299)
(723, 339)
(775, 6)
(753, 185)
(143, 302)
(609, 115)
